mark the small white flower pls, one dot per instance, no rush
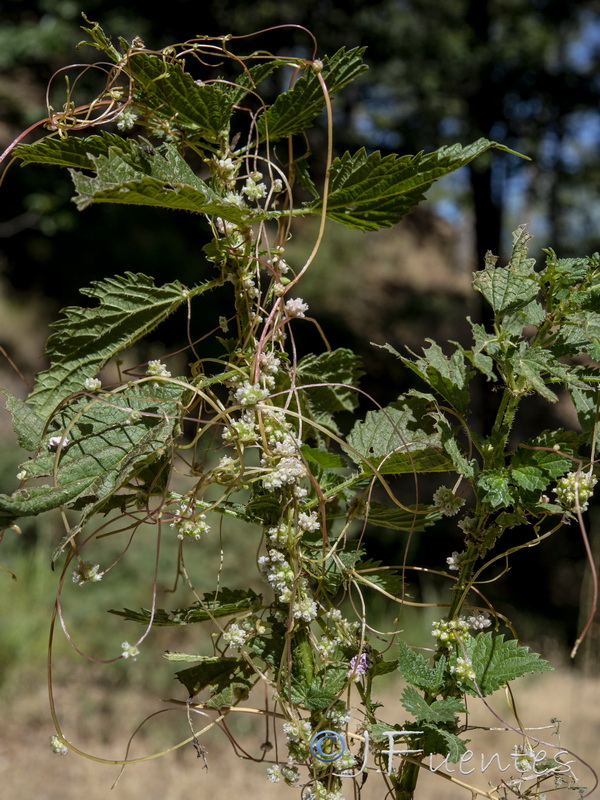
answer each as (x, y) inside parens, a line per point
(157, 369)
(126, 119)
(296, 307)
(92, 384)
(55, 441)
(58, 746)
(479, 620)
(129, 651)
(274, 773)
(309, 522)
(454, 560)
(21, 475)
(86, 573)
(223, 324)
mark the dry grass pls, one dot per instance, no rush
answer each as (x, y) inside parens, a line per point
(99, 724)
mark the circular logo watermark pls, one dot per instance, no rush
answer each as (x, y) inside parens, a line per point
(333, 742)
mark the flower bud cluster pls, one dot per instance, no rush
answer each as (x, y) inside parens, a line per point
(463, 669)
(188, 521)
(575, 488)
(447, 502)
(87, 573)
(451, 631)
(238, 633)
(297, 737)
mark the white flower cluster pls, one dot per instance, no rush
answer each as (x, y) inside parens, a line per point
(340, 631)
(158, 370)
(463, 669)
(447, 502)
(296, 307)
(242, 429)
(309, 522)
(339, 715)
(284, 472)
(573, 488)
(129, 651)
(126, 119)
(249, 394)
(274, 773)
(454, 560)
(254, 189)
(92, 384)
(278, 263)
(278, 573)
(58, 746)
(479, 620)
(448, 631)
(318, 791)
(299, 731)
(290, 774)
(86, 573)
(305, 607)
(188, 522)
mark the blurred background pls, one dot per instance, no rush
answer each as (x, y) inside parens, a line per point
(522, 72)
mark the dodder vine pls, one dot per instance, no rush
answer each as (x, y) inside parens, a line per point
(143, 450)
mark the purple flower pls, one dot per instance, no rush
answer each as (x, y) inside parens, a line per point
(358, 666)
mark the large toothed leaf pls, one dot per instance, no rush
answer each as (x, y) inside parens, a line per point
(162, 180)
(417, 670)
(76, 152)
(107, 447)
(214, 604)
(496, 661)
(173, 94)
(372, 191)
(85, 339)
(398, 439)
(296, 109)
(438, 711)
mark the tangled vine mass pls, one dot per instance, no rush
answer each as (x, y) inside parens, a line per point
(259, 435)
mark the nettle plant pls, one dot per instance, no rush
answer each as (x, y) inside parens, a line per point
(251, 435)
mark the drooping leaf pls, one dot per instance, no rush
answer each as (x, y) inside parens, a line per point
(85, 339)
(296, 109)
(221, 603)
(438, 711)
(496, 661)
(107, 448)
(396, 519)
(368, 191)
(416, 669)
(438, 740)
(229, 680)
(28, 427)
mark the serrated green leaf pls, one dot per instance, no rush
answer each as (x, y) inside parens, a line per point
(511, 287)
(398, 439)
(416, 669)
(396, 519)
(85, 339)
(223, 603)
(540, 453)
(438, 740)
(496, 662)
(533, 368)
(370, 191)
(529, 478)
(171, 93)
(164, 181)
(372, 573)
(293, 111)
(270, 647)
(323, 458)
(587, 405)
(76, 152)
(448, 438)
(494, 488)
(449, 377)
(106, 451)
(27, 425)
(438, 711)
(229, 680)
